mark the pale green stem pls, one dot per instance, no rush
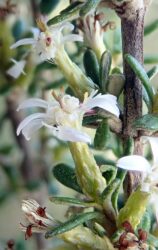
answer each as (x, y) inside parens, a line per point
(73, 74)
(88, 173)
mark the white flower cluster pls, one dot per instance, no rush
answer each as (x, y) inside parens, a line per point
(64, 115)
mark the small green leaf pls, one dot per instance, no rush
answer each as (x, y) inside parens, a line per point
(67, 176)
(151, 28)
(6, 149)
(105, 65)
(71, 7)
(142, 75)
(134, 209)
(109, 172)
(47, 6)
(108, 191)
(147, 122)
(103, 161)
(91, 65)
(72, 223)
(102, 135)
(68, 14)
(71, 201)
(152, 72)
(150, 59)
(91, 120)
(88, 6)
(115, 84)
(146, 99)
(115, 196)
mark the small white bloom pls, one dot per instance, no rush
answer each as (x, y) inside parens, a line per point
(48, 40)
(64, 115)
(150, 171)
(93, 26)
(17, 69)
(39, 220)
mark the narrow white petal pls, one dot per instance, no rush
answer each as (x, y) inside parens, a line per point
(71, 134)
(16, 70)
(30, 118)
(134, 163)
(72, 38)
(31, 128)
(25, 41)
(154, 148)
(107, 102)
(33, 102)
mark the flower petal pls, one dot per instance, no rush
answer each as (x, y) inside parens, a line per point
(154, 148)
(35, 119)
(31, 128)
(16, 70)
(72, 38)
(107, 102)
(33, 102)
(134, 163)
(25, 41)
(71, 134)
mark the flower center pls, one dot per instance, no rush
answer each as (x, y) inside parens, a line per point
(41, 212)
(48, 41)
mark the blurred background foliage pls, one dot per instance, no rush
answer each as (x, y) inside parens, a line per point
(26, 167)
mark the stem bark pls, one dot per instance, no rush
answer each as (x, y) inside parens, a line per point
(132, 43)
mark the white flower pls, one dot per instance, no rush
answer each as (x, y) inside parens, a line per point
(48, 40)
(39, 221)
(64, 115)
(93, 26)
(150, 171)
(18, 68)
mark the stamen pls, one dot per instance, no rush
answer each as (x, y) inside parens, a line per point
(48, 41)
(28, 233)
(41, 25)
(41, 212)
(58, 99)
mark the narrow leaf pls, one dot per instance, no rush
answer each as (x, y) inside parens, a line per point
(109, 172)
(115, 84)
(88, 6)
(151, 28)
(47, 6)
(68, 14)
(142, 75)
(102, 135)
(71, 201)
(151, 59)
(152, 72)
(105, 65)
(91, 65)
(72, 223)
(67, 176)
(147, 122)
